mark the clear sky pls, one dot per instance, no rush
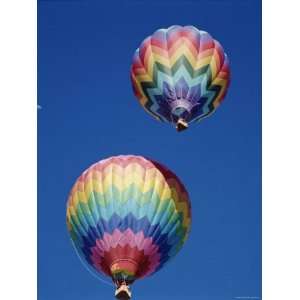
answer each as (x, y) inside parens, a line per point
(88, 112)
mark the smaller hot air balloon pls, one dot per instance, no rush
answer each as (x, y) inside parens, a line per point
(127, 217)
(180, 75)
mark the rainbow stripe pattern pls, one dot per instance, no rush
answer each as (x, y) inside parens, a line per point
(128, 216)
(180, 72)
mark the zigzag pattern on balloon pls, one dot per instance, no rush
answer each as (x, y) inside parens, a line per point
(165, 233)
(180, 64)
(132, 240)
(114, 199)
(140, 183)
(167, 244)
(134, 198)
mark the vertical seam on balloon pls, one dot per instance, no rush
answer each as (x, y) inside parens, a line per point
(154, 70)
(212, 79)
(81, 219)
(166, 212)
(89, 198)
(95, 195)
(217, 76)
(198, 50)
(171, 71)
(157, 115)
(143, 191)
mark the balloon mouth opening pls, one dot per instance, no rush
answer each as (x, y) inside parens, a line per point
(181, 104)
(124, 270)
(181, 113)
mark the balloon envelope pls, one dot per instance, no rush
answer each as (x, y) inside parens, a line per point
(180, 74)
(128, 216)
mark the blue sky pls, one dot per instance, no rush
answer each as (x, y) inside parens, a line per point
(89, 112)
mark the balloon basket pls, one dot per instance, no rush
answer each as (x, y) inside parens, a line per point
(123, 292)
(181, 125)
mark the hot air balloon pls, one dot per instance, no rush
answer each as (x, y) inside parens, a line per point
(180, 75)
(127, 217)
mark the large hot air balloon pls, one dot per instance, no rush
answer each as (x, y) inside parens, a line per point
(180, 75)
(127, 217)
